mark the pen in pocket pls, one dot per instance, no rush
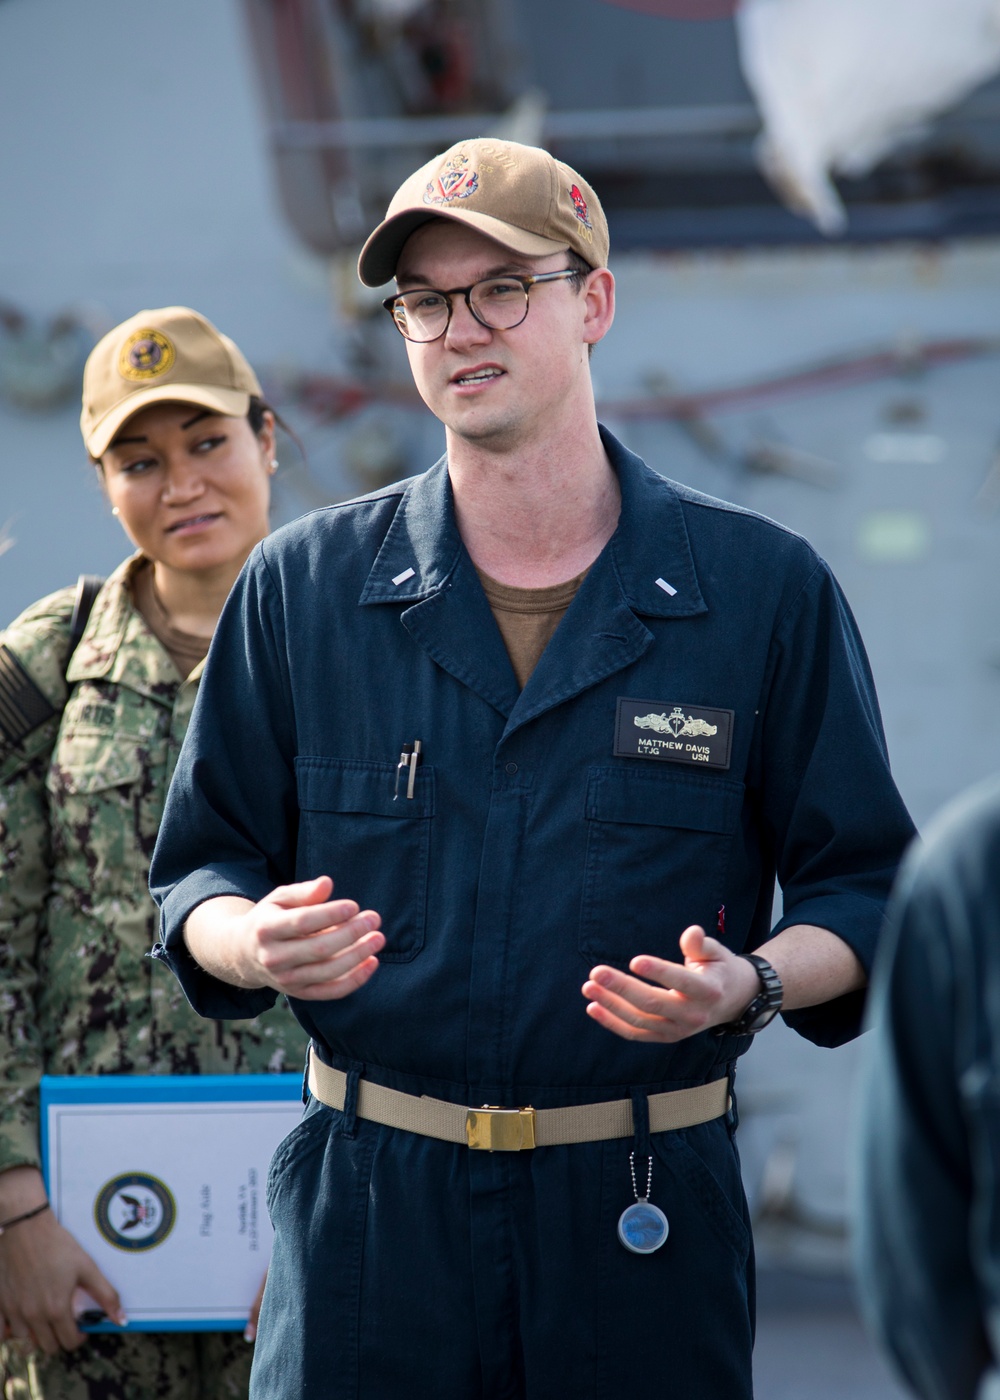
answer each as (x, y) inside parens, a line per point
(408, 760)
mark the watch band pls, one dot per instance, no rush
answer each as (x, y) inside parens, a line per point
(765, 1005)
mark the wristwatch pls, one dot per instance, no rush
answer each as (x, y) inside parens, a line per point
(765, 1005)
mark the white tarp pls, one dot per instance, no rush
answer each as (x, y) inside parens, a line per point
(839, 83)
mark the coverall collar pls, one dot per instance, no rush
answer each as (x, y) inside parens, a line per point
(422, 546)
(645, 570)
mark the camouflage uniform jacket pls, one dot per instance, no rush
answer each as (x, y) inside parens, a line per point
(80, 802)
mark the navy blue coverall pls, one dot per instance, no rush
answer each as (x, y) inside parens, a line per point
(529, 852)
(928, 1148)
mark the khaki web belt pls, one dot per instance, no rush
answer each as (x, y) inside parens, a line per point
(493, 1129)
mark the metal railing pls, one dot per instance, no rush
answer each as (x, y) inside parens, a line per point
(591, 125)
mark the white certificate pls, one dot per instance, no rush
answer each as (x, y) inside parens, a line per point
(161, 1179)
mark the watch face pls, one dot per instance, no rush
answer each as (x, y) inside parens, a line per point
(763, 1018)
(765, 1005)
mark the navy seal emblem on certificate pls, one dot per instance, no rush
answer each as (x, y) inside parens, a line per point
(673, 733)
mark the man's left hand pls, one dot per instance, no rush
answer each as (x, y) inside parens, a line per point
(668, 1001)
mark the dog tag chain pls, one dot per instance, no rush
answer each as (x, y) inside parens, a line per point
(642, 1227)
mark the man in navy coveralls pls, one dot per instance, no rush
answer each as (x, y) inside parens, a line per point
(538, 714)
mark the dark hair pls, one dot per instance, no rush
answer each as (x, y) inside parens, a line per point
(581, 267)
(255, 414)
(255, 418)
(578, 265)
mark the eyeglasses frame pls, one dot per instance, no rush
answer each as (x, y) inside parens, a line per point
(527, 281)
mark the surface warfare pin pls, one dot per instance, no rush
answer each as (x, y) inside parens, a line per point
(673, 733)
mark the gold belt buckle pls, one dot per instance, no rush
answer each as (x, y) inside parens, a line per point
(491, 1129)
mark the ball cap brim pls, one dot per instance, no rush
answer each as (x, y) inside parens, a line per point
(231, 403)
(520, 196)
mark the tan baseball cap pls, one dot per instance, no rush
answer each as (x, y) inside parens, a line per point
(172, 355)
(518, 195)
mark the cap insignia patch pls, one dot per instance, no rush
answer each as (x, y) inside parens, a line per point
(453, 181)
(145, 355)
(580, 208)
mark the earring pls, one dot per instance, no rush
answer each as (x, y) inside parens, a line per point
(273, 467)
(115, 511)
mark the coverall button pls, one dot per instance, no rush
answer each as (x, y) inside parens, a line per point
(510, 769)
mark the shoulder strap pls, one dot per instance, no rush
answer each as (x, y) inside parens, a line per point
(23, 706)
(87, 588)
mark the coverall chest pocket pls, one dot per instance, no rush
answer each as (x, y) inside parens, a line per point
(374, 845)
(658, 851)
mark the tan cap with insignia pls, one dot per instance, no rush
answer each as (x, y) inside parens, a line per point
(172, 355)
(518, 195)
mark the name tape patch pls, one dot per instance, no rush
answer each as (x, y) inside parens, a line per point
(673, 733)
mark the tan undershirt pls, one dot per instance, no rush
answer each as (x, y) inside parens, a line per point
(527, 618)
(184, 648)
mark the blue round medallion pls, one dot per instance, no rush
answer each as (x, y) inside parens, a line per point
(642, 1227)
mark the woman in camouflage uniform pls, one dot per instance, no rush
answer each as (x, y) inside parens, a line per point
(89, 735)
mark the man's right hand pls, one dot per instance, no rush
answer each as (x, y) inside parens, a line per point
(41, 1267)
(296, 940)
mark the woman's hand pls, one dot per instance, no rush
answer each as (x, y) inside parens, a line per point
(41, 1267)
(250, 1331)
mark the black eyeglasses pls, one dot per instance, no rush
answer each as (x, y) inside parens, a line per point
(499, 303)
